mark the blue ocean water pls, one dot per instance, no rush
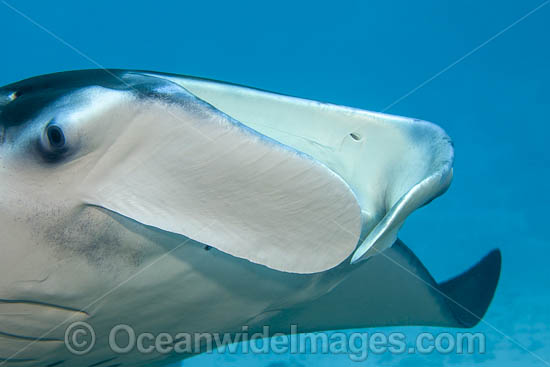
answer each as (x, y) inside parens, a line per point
(495, 104)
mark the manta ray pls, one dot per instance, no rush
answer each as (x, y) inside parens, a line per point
(179, 204)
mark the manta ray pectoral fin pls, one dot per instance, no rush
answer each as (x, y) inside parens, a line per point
(474, 288)
(395, 289)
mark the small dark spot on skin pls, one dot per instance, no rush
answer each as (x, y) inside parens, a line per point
(355, 136)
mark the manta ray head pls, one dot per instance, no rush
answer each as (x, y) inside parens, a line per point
(105, 173)
(53, 130)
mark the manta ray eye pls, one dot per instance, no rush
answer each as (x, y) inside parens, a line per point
(55, 136)
(53, 143)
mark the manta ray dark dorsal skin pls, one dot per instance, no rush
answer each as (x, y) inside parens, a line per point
(115, 182)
